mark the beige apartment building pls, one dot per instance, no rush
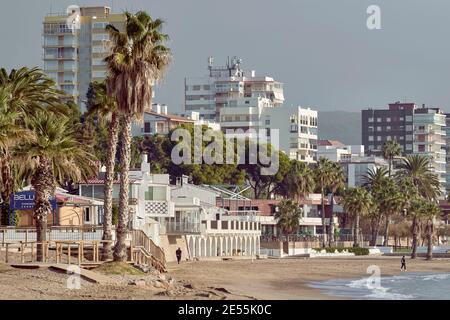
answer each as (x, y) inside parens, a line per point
(75, 45)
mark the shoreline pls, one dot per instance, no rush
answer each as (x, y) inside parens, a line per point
(290, 279)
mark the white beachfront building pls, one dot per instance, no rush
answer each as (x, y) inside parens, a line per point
(182, 216)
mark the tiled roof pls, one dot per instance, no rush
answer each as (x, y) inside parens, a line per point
(170, 117)
(334, 143)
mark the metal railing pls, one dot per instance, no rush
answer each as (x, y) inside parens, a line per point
(180, 228)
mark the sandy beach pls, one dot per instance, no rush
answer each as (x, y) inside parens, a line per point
(288, 279)
(274, 279)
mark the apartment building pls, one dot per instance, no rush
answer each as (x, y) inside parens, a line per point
(419, 130)
(447, 147)
(74, 53)
(225, 86)
(298, 131)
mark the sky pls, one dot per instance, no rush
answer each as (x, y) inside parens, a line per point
(321, 50)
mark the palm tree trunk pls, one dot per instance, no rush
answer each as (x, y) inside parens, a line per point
(7, 185)
(430, 240)
(44, 187)
(356, 232)
(109, 181)
(324, 227)
(386, 232)
(414, 239)
(331, 239)
(120, 252)
(375, 231)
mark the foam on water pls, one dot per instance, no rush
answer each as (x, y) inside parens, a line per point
(402, 287)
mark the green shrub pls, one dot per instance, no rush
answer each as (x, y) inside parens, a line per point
(356, 251)
(359, 251)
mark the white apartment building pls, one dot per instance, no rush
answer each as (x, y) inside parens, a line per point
(74, 54)
(430, 140)
(226, 84)
(298, 131)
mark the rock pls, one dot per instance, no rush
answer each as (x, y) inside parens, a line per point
(189, 286)
(138, 283)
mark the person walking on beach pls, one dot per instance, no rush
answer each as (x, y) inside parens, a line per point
(403, 261)
(179, 254)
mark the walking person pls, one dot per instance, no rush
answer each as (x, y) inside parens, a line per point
(403, 261)
(179, 255)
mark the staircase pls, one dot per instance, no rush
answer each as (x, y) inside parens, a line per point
(171, 243)
(145, 252)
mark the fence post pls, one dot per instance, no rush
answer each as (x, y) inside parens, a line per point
(6, 254)
(3, 238)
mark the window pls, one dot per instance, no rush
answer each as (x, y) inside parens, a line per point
(409, 147)
(379, 120)
(370, 129)
(409, 118)
(388, 138)
(409, 137)
(421, 148)
(87, 215)
(370, 120)
(388, 128)
(379, 129)
(99, 74)
(156, 194)
(100, 37)
(267, 122)
(196, 88)
(207, 87)
(402, 119)
(370, 138)
(379, 138)
(147, 127)
(388, 119)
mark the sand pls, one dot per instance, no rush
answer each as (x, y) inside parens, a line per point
(271, 279)
(288, 279)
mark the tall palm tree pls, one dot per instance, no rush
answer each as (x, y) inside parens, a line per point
(105, 108)
(138, 60)
(323, 173)
(337, 182)
(373, 181)
(51, 156)
(288, 216)
(417, 169)
(11, 132)
(357, 202)
(298, 182)
(415, 212)
(390, 200)
(25, 91)
(391, 149)
(430, 212)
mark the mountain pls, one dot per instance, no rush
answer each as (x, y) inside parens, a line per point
(340, 125)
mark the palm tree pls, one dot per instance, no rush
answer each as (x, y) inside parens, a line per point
(23, 92)
(415, 213)
(298, 182)
(105, 109)
(391, 201)
(417, 169)
(430, 212)
(51, 156)
(11, 132)
(374, 177)
(288, 216)
(138, 60)
(391, 149)
(337, 182)
(357, 202)
(323, 173)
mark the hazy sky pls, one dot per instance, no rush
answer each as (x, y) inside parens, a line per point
(321, 50)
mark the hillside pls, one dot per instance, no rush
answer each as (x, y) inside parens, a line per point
(340, 125)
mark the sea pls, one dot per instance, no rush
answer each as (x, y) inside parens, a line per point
(406, 286)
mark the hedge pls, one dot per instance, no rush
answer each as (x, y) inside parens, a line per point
(357, 251)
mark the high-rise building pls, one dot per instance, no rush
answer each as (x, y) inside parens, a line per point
(417, 130)
(447, 144)
(74, 50)
(229, 86)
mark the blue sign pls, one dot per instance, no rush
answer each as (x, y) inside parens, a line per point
(25, 201)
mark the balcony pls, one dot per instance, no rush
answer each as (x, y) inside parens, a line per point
(180, 228)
